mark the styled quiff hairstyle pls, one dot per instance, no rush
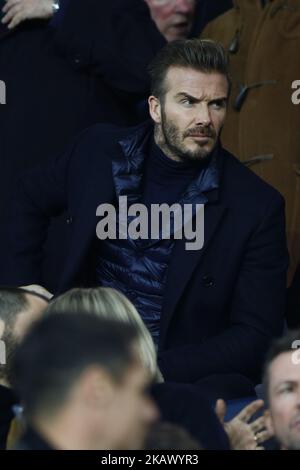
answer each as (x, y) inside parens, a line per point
(204, 55)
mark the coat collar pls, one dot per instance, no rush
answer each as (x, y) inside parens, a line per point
(128, 171)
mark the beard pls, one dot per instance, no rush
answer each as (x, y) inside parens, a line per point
(171, 140)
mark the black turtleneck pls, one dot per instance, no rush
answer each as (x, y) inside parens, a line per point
(165, 180)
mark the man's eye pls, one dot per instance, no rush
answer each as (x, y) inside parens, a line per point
(286, 389)
(187, 102)
(217, 104)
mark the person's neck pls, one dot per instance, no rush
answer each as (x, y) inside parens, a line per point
(68, 430)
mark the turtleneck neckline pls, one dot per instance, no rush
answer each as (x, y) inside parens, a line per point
(173, 166)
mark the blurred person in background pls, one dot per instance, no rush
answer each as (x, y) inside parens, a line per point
(113, 305)
(282, 391)
(19, 309)
(82, 385)
(173, 18)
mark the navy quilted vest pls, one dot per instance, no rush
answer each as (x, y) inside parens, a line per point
(138, 268)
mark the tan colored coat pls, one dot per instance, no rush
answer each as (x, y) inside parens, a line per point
(265, 132)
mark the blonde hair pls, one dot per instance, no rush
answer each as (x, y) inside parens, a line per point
(112, 304)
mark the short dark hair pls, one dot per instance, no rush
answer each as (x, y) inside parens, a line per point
(204, 55)
(12, 302)
(58, 349)
(279, 346)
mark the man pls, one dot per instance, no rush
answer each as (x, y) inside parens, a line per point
(82, 385)
(179, 19)
(18, 310)
(282, 389)
(173, 18)
(211, 311)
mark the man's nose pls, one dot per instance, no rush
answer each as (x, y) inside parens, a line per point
(203, 115)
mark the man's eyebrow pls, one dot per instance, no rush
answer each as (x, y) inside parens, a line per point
(183, 94)
(286, 382)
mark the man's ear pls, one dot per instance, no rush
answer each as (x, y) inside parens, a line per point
(269, 421)
(96, 387)
(155, 109)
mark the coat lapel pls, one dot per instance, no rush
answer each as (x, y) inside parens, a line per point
(184, 262)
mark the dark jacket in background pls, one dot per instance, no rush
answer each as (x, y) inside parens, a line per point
(293, 302)
(206, 11)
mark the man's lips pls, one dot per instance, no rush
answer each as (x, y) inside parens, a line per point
(183, 26)
(200, 136)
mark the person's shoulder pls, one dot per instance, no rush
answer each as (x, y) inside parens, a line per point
(105, 136)
(97, 144)
(242, 183)
(102, 132)
(96, 147)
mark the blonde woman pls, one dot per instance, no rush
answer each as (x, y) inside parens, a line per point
(110, 303)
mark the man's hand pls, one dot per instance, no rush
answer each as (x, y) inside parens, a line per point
(17, 11)
(242, 434)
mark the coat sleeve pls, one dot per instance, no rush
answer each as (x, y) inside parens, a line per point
(115, 40)
(40, 195)
(256, 312)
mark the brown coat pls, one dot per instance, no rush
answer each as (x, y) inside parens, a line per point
(265, 132)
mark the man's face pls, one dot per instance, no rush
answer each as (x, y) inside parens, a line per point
(173, 18)
(283, 416)
(190, 117)
(131, 410)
